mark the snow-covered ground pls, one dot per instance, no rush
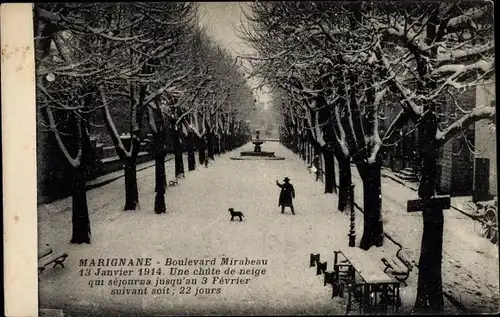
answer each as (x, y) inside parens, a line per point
(197, 226)
(470, 262)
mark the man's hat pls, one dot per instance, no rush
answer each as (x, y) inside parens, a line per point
(286, 179)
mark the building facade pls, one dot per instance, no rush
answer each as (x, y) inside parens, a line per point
(485, 154)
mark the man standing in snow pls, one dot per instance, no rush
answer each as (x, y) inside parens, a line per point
(287, 195)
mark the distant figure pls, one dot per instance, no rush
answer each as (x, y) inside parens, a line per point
(315, 161)
(315, 168)
(287, 195)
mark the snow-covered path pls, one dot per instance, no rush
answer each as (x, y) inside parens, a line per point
(197, 226)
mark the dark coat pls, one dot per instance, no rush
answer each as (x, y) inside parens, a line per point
(286, 195)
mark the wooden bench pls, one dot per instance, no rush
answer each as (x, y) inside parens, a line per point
(315, 261)
(365, 282)
(321, 267)
(399, 266)
(173, 183)
(46, 256)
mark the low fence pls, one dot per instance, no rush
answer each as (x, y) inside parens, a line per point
(56, 183)
(108, 161)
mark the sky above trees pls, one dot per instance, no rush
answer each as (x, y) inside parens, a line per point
(222, 19)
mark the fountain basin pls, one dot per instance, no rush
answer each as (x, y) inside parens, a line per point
(268, 158)
(262, 153)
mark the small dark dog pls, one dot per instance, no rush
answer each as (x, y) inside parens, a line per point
(206, 162)
(235, 214)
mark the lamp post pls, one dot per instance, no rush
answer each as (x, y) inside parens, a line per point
(352, 230)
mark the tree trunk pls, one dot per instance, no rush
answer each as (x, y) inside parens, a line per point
(329, 167)
(309, 153)
(161, 182)
(228, 142)
(303, 145)
(80, 217)
(131, 191)
(191, 160)
(210, 146)
(223, 144)
(179, 163)
(334, 175)
(295, 143)
(373, 232)
(201, 151)
(216, 144)
(345, 181)
(430, 289)
(308, 150)
(190, 153)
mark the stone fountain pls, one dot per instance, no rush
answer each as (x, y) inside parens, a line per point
(257, 151)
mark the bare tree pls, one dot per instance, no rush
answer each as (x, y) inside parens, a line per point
(449, 49)
(212, 98)
(422, 53)
(88, 54)
(66, 90)
(165, 26)
(293, 53)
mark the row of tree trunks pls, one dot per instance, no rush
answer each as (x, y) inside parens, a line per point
(306, 153)
(373, 233)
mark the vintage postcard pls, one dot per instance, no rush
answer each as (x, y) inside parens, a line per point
(249, 158)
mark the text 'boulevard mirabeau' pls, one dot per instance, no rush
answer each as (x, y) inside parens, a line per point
(170, 262)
